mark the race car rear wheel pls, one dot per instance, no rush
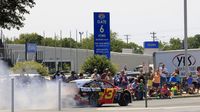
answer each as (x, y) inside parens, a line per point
(124, 99)
(93, 100)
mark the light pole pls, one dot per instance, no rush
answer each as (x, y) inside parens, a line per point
(44, 52)
(56, 63)
(185, 38)
(61, 60)
(81, 34)
(87, 43)
(77, 52)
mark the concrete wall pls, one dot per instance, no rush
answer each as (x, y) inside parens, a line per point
(77, 56)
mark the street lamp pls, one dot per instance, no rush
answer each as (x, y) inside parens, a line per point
(185, 37)
(81, 34)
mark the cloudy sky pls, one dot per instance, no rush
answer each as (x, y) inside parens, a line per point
(134, 17)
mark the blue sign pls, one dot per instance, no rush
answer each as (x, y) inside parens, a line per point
(102, 33)
(31, 48)
(151, 44)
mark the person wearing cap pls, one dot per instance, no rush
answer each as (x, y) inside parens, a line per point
(95, 75)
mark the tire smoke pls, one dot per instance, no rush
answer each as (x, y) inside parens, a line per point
(33, 92)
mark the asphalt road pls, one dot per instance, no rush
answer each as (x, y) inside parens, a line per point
(164, 105)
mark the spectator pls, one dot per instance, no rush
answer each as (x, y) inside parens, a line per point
(173, 79)
(152, 92)
(95, 75)
(174, 89)
(150, 83)
(156, 79)
(190, 88)
(141, 76)
(72, 77)
(104, 76)
(130, 85)
(198, 70)
(135, 84)
(198, 83)
(117, 79)
(184, 84)
(189, 81)
(109, 77)
(59, 75)
(81, 76)
(64, 79)
(163, 74)
(125, 68)
(198, 79)
(141, 90)
(164, 92)
(56, 75)
(123, 80)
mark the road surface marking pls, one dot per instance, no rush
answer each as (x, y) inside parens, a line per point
(150, 108)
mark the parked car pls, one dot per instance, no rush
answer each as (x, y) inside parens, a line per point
(139, 67)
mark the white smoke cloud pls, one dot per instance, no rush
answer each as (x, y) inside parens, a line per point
(32, 92)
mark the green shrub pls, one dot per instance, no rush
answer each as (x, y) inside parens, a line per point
(30, 67)
(98, 62)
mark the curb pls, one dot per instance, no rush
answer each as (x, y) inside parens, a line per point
(186, 96)
(152, 98)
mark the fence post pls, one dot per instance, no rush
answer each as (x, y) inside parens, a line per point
(59, 95)
(12, 95)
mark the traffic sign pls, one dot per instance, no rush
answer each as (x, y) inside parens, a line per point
(151, 44)
(31, 48)
(102, 33)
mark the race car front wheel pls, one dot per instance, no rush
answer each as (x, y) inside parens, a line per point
(124, 99)
(93, 100)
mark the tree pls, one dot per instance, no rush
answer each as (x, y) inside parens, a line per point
(98, 62)
(31, 38)
(175, 43)
(194, 42)
(69, 42)
(12, 12)
(28, 67)
(116, 44)
(164, 46)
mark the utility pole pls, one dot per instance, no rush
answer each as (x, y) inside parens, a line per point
(153, 35)
(127, 38)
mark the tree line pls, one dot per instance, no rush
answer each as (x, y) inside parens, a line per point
(117, 44)
(176, 43)
(86, 43)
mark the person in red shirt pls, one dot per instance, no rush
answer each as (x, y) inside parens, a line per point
(165, 92)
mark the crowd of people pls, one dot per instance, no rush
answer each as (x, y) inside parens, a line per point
(159, 83)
